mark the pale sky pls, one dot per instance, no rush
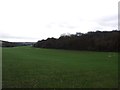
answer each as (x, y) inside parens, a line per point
(33, 20)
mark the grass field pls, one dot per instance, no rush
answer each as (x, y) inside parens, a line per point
(28, 67)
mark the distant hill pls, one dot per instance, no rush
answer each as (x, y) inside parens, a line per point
(24, 43)
(7, 44)
(14, 44)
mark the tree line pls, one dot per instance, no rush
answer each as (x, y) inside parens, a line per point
(92, 41)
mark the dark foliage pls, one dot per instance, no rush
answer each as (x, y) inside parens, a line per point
(95, 41)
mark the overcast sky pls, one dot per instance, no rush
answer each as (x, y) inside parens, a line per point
(33, 20)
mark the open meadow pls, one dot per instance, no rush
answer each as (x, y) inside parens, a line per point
(29, 67)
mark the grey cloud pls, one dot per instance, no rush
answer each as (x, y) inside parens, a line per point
(98, 28)
(110, 18)
(50, 25)
(71, 27)
(60, 25)
(110, 21)
(65, 25)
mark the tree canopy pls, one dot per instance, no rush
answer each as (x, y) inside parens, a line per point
(94, 41)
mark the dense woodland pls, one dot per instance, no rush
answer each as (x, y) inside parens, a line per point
(93, 41)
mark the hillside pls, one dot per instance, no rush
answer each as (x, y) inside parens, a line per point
(13, 44)
(7, 44)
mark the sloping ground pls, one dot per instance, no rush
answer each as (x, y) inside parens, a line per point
(14, 44)
(0, 43)
(6, 44)
(28, 67)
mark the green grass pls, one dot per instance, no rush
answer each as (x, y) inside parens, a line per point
(28, 67)
(0, 67)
